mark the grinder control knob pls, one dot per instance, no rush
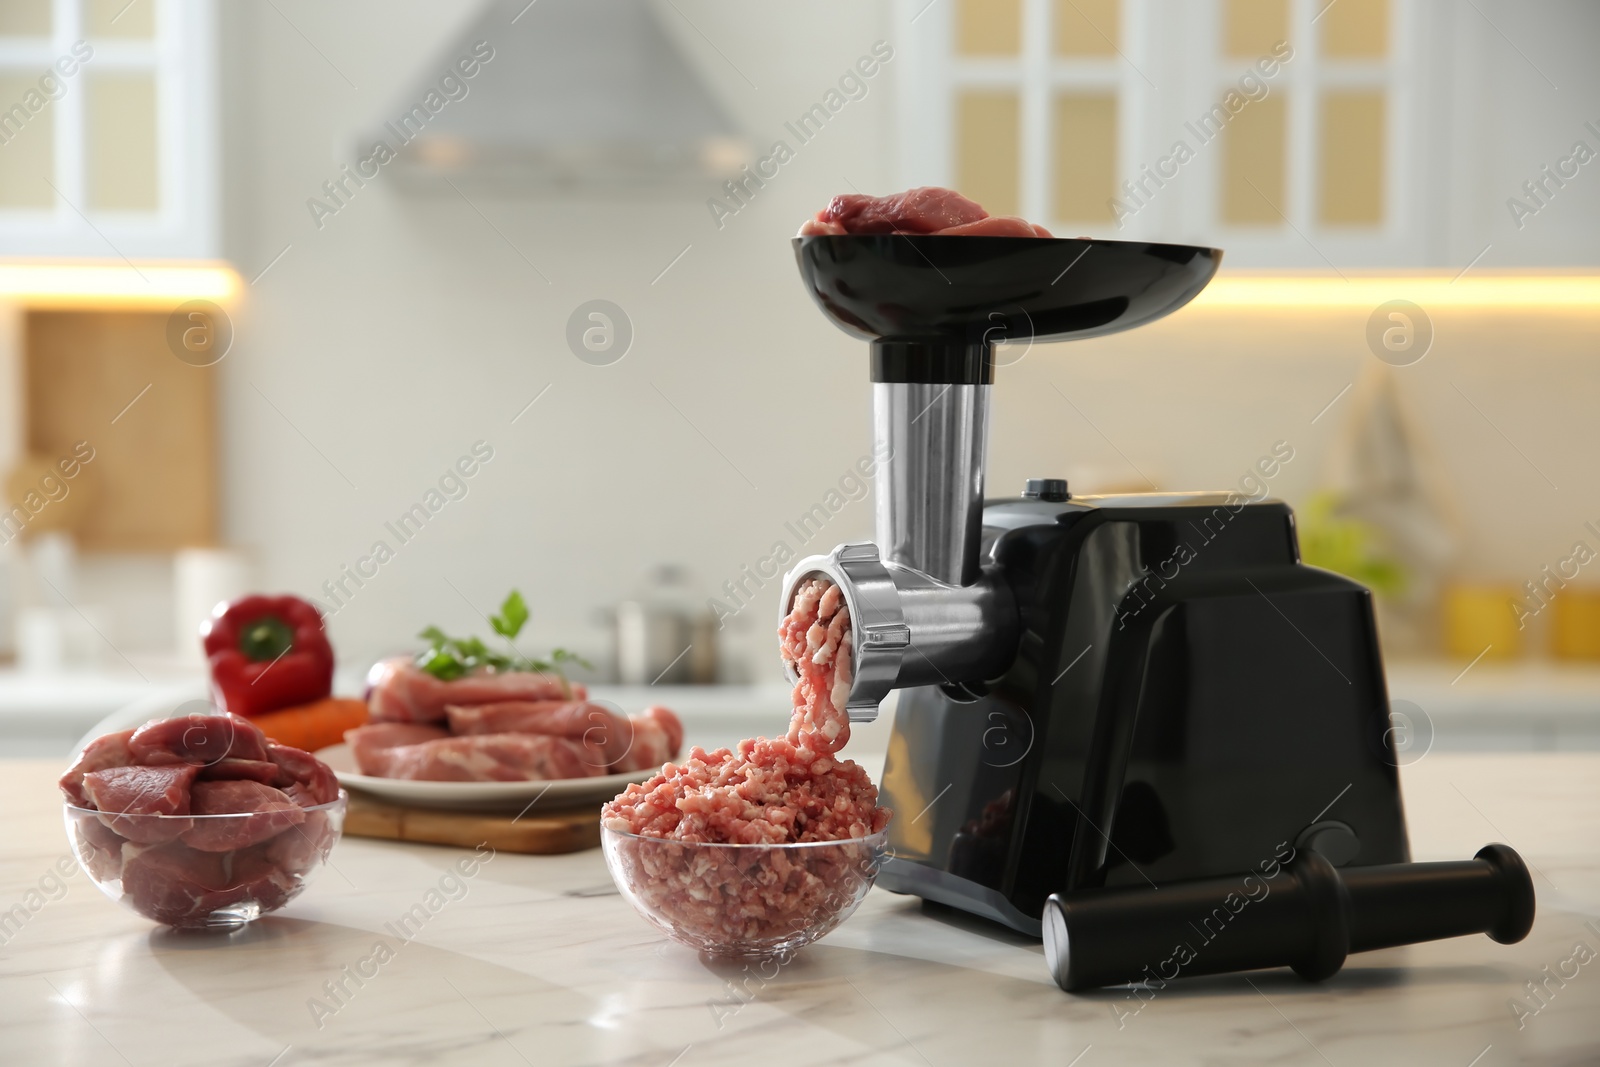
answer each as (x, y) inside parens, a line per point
(1051, 489)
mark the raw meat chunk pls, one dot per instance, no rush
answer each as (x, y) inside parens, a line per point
(98, 846)
(299, 849)
(308, 781)
(255, 877)
(180, 886)
(368, 743)
(269, 812)
(494, 758)
(111, 750)
(400, 691)
(263, 771)
(196, 739)
(924, 210)
(561, 739)
(593, 724)
(124, 794)
(198, 815)
(997, 226)
(657, 737)
(172, 883)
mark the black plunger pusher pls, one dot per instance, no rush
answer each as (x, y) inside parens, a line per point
(1113, 709)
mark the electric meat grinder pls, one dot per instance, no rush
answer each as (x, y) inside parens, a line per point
(1100, 694)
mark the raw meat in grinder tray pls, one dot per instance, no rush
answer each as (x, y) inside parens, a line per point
(925, 210)
(182, 868)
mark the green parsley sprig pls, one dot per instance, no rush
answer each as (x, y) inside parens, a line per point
(448, 658)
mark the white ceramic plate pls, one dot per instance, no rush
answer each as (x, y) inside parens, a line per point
(477, 796)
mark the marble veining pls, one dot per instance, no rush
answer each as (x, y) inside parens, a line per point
(533, 960)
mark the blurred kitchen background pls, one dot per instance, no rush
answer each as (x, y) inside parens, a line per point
(276, 275)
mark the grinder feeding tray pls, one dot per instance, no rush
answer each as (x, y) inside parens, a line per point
(1096, 692)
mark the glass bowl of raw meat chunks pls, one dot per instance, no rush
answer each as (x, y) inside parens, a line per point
(199, 821)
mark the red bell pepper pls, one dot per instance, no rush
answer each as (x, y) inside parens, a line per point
(267, 653)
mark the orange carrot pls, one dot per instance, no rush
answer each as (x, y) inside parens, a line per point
(315, 725)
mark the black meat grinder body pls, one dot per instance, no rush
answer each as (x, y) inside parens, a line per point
(1093, 691)
(1187, 700)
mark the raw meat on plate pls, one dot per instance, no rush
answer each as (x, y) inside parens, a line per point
(369, 743)
(594, 724)
(518, 740)
(657, 736)
(493, 758)
(400, 691)
(629, 743)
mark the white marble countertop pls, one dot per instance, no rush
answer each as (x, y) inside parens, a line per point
(540, 962)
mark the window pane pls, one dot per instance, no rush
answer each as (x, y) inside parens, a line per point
(1251, 27)
(1254, 149)
(1355, 29)
(120, 124)
(24, 18)
(1085, 157)
(1087, 27)
(987, 148)
(1350, 156)
(988, 27)
(27, 143)
(120, 18)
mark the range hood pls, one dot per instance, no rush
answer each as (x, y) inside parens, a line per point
(563, 95)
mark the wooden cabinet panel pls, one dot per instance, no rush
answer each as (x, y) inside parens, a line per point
(108, 378)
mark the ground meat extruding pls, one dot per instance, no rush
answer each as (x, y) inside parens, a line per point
(812, 640)
(773, 791)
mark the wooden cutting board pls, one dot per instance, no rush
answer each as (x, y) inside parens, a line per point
(545, 832)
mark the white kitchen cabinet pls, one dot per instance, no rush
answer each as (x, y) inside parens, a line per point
(1345, 146)
(108, 142)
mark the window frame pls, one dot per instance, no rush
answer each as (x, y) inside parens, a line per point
(182, 57)
(1178, 42)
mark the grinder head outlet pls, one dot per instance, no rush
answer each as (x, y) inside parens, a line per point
(907, 629)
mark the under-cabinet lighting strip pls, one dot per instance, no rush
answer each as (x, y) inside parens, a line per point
(1427, 290)
(91, 285)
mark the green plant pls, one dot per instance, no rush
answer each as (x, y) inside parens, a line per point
(1347, 546)
(448, 658)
